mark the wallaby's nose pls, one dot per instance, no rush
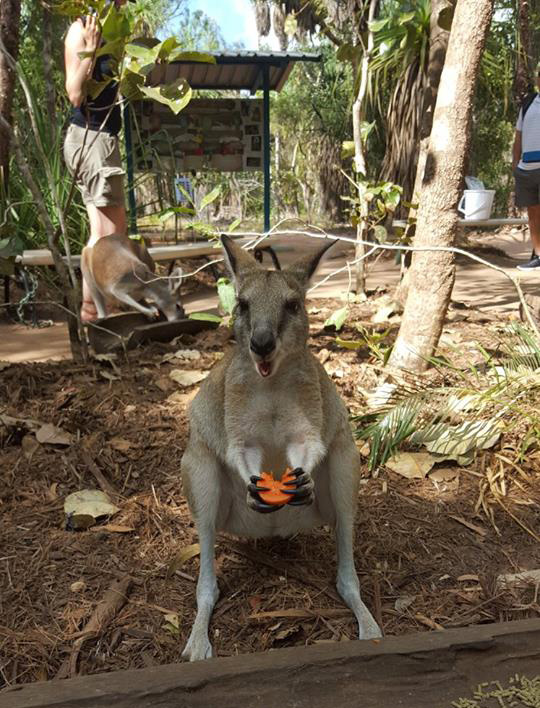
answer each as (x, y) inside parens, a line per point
(262, 342)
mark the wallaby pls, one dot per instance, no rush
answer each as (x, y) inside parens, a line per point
(116, 266)
(268, 405)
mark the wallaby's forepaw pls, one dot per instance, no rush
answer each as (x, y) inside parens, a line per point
(254, 500)
(303, 494)
(154, 312)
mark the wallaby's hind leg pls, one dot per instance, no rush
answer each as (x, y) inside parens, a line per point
(343, 471)
(97, 297)
(200, 471)
(119, 294)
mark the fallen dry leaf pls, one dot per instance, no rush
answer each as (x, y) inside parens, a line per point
(187, 378)
(89, 502)
(49, 434)
(413, 465)
(29, 445)
(114, 528)
(121, 444)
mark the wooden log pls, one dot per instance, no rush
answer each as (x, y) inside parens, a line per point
(426, 670)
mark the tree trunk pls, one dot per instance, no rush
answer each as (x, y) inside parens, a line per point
(10, 14)
(438, 44)
(48, 65)
(432, 273)
(524, 63)
(359, 154)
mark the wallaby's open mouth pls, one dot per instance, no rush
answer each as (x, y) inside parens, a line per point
(264, 368)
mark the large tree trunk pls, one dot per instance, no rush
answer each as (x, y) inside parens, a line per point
(10, 14)
(331, 180)
(432, 272)
(438, 44)
(524, 63)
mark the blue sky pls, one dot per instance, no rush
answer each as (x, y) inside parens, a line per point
(236, 20)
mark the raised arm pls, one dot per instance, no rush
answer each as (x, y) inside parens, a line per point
(79, 39)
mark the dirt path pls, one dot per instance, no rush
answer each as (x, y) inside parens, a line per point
(475, 285)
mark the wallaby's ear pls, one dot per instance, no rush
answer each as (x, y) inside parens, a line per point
(304, 268)
(175, 279)
(237, 259)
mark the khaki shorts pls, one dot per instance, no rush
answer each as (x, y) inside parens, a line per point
(100, 177)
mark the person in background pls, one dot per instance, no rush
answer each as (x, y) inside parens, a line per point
(526, 169)
(93, 132)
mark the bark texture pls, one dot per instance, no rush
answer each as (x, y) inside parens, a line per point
(432, 272)
(10, 14)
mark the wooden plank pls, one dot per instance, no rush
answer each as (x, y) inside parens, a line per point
(426, 670)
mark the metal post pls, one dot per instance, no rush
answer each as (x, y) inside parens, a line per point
(130, 173)
(266, 145)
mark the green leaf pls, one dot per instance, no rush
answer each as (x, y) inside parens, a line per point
(144, 54)
(352, 344)
(347, 149)
(163, 49)
(227, 295)
(406, 18)
(161, 94)
(202, 57)
(378, 25)
(115, 25)
(205, 317)
(290, 25)
(380, 234)
(337, 318)
(171, 211)
(210, 197)
(235, 224)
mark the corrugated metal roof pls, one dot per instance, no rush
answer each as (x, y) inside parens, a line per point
(242, 70)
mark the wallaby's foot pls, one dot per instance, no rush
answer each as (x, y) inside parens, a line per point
(198, 647)
(368, 628)
(349, 590)
(254, 500)
(88, 311)
(303, 495)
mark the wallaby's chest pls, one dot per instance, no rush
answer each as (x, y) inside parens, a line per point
(270, 422)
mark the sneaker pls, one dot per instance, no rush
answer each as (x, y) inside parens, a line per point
(530, 265)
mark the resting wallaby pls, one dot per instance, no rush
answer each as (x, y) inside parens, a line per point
(267, 405)
(116, 266)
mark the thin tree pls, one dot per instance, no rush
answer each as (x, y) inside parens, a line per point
(432, 273)
(10, 15)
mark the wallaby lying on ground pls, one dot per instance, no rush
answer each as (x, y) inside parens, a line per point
(267, 405)
(116, 266)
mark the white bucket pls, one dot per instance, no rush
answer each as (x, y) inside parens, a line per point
(476, 203)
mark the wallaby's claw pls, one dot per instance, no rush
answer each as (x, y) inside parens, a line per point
(255, 502)
(303, 494)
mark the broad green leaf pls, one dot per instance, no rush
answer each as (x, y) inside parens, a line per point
(406, 18)
(94, 88)
(210, 197)
(290, 25)
(337, 318)
(144, 54)
(115, 25)
(171, 211)
(227, 295)
(176, 104)
(205, 317)
(185, 193)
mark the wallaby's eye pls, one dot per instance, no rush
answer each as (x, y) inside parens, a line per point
(292, 306)
(243, 306)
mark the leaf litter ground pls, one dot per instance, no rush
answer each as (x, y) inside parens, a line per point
(426, 560)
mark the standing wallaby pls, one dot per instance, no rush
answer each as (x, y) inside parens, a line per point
(116, 266)
(268, 405)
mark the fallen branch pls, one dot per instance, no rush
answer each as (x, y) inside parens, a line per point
(105, 611)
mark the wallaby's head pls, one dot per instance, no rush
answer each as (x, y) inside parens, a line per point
(270, 318)
(166, 294)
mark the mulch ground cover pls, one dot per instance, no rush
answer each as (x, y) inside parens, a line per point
(427, 558)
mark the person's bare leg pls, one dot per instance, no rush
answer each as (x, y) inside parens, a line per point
(104, 221)
(533, 213)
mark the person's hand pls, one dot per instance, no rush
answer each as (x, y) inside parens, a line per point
(91, 33)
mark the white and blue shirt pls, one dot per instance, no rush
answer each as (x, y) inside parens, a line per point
(530, 136)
